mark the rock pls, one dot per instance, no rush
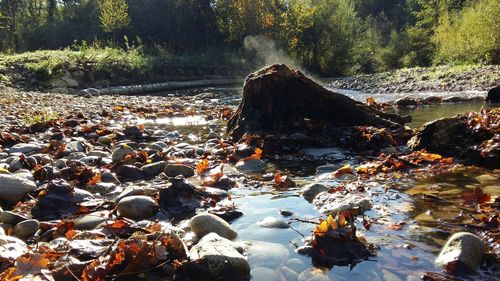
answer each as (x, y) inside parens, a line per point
(91, 221)
(289, 274)
(313, 274)
(296, 265)
(60, 90)
(266, 254)
(174, 170)
(179, 197)
(452, 137)
(220, 258)
(493, 95)
(271, 222)
(486, 178)
(131, 172)
(331, 203)
(251, 166)
(154, 169)
(105, 140)
(137, 207)
(206, 223)
(12, 218)
(158, 146)
(25, 148)
(74, 146)
(26, 229)
(120, 153)
(310, 191)
(406, 102)
(461, 249)
(277, 99)
(13, 188)
(262, 274)
(12, 247)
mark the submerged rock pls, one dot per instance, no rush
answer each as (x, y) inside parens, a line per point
(271, 222)
(461, 249)
(206, 223)
(13, 188)
(331, 203)
(266, 254)
(217, 257)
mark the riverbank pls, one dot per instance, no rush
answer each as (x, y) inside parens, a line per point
(100, 68)
(431, 79)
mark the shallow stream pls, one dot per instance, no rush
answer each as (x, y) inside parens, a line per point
(404, 254)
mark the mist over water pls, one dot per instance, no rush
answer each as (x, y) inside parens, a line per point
(268, 52)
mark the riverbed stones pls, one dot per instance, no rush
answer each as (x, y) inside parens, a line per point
(137, 207)
(266, 254)
(120, 152)
(13, 188)
(461, 249)
(26, 229)
(331, 203)
(271, 222)
(251, 166)
(25, 148)
(313, 189)
(174, 170)
(11, 247)
(220, 258)
(154, 169)
(12, 217)
(205, 223)
(313, 274)
(91, 221)
(406, 102)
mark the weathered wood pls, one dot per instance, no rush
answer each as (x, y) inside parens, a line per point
(276, 99)
(164, 86)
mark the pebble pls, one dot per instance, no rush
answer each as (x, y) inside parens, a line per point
(251, 166)
(205, 223)
(220, 255)
(25, 148)
(313, 274)
(120, 153)
(310, 191)
(174, 170)
(154, 169)
(12, 218)
(266, 254)
(91, 221)
(331, 203)
(137, 207)
(26, 229)
(262, 274)
(13, 188)
(271, 222)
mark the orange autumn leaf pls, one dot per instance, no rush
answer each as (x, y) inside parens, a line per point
(202, 166)
(257, 153)
(277, 178)
(476, 197)
(95, 179)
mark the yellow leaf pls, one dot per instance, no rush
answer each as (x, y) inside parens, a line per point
(323, 227)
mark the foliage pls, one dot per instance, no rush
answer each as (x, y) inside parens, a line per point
(41, 117)
(470, 35)
(330, 37)
(113, 15)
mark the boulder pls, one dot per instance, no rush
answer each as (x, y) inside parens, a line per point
(462, 251)
(219, 258)
(174, 170)
(206, 223)
(493, 95)
(13, 188)
(469, 137)
(313, 189)
(277, 99)
(251, 166)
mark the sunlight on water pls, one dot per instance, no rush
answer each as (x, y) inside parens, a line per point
(195, 120)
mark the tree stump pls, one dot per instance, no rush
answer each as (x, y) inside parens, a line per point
(277, 100)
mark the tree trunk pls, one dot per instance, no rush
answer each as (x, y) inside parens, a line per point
(277, 100)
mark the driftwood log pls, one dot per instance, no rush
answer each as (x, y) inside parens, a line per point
(277, 99)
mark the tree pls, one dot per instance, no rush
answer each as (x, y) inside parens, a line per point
(113, 15)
